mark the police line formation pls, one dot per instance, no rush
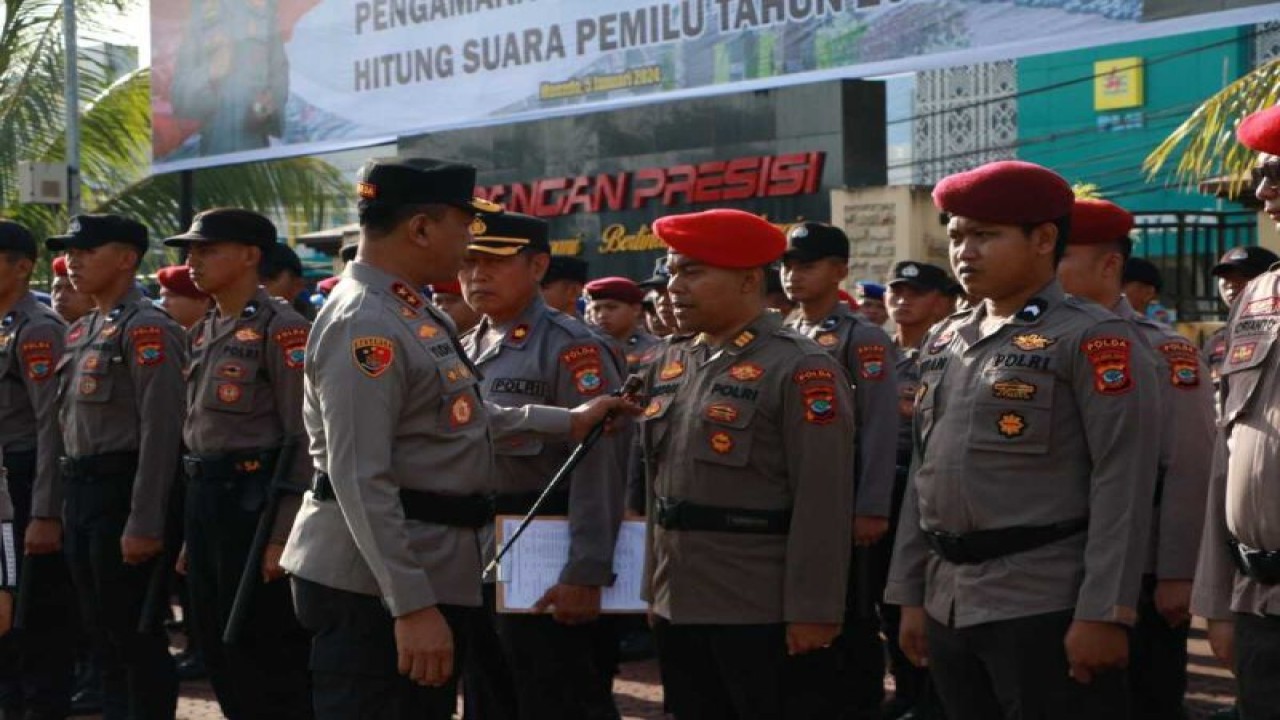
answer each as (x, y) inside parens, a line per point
(1027, 498)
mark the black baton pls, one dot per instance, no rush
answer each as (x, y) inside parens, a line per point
(261, 536)
(630, 387)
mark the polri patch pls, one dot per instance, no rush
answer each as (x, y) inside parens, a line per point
(1111, 368)
(373, 354)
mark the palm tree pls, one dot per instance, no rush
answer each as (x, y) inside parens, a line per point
(1205, 144)
(116, 135)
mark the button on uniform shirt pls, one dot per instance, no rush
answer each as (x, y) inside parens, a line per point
(244, 390)
(763, 423)
(31, 341)
(1032, 425)
(391, 402)
(121, 389)
(1185, 426)
(546, 357)
(1244, 499)
(870, 358)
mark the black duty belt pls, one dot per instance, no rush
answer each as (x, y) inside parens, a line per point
(983, 545)
(87, 468)
(557, 503)
(229, 465)
(675, 514)
(467, 511)
(1262, 566)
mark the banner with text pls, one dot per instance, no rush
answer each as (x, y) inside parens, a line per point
(239, 80)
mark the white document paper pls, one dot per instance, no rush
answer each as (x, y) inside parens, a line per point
(534, 563)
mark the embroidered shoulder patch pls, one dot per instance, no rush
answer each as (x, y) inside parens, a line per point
(38, 357)
(1109, 356)
(583, 362)
(813, 375)
(148, 344)
(293, 345)
(871, 362)
(373, 355)
(1184, 364)
(820, 406)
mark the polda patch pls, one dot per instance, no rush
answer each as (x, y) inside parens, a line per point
(1109, 356)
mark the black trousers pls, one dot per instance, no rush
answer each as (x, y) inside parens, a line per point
(1257, 666)
(743, 672)
(264, 675)
(353, 658)
(911, 683)
(36, 662)
(1017, 670)
(860, 690)
(487, 688)
(1157, 661)
(139, 681)
(556, 669)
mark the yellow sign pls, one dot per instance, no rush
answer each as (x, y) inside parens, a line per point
(1118, 84)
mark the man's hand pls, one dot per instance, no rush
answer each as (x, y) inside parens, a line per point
(591, 413)
(182, 564)
(868, 529)
(570, 604)
(1222, 640)
(911, 635)
(271, 570)
(6, 612)
(44, 536)
(424, 647)
(806, 637)
(1173, 601)
(137, 550)
(1094, 647)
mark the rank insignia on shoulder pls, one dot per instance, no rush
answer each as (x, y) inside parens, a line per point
(1011, 425)
(746, 372)
(519, 333)
(1110, 358)
(827, 339)
(373, 355)
(426, 331)
(671, 370)
(745, 338)
(1032, 341)
(407, 295)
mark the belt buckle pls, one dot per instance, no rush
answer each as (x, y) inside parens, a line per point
(248, 467)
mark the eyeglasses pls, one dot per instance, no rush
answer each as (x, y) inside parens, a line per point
(1269, 171)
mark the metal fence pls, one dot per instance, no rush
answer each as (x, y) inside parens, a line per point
(1185, 246)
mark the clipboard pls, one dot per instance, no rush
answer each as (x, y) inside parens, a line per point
(534, 563)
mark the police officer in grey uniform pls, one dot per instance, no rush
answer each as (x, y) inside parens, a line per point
(1092, 269)
(1233, 272)
(244, 419)
(35, 663)
(121, 408)
(749, 453)
(385, 551)
(815, 263)
(530, 353)
(1025, 525)
(1237, 586)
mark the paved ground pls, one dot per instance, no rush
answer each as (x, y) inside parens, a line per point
(640, 695)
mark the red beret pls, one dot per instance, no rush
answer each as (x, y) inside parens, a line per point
(1261, 131)
(60, 266)
(177, 280)
(724, 238)
(327, 285)
(615, 288)
(1099, 221)
(1010, 192)
(449, 288)
(847, 299)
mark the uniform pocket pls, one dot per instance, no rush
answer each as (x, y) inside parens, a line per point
(1013, 413)
(92, 387)
(725, 429)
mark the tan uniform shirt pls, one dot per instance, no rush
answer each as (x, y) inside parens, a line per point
(1186, 427)
(389, 403)
(548, 358)
(244, 390)
(1031, 425)
(764, 423)
(31, 341)
(1244, 499)
(120, 389)
(871, 360)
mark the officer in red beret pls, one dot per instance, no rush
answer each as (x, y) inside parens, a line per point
(1025, 524)
(617, 309)
(180, 297)
(750, 466)
(1237, 586)
(1093, 269)
(448, 297)
(68, 302)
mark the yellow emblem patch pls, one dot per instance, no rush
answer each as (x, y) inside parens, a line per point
(1032, 341)
(1011, 425)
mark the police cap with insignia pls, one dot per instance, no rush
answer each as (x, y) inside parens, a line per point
(565, 267)
(658, 280)
(1261, 131)
(1094, 222)
(91, 231)
(1249, 260)
(1140, 270)
(508, 234)
(228, 225)
(17, 238)
(867, 290)
(922, 276)
(722, 238)
(1009, 192)
(615, 288)
(280, 258)
(394, 181)
(813, 241)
